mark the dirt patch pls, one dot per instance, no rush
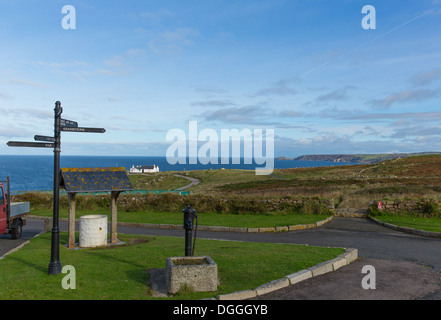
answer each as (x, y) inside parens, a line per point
(189, 262)
(127, 243)
(135, 241)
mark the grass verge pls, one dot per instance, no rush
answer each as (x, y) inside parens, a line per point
(206, 219)
(120, 272)
(432, 224)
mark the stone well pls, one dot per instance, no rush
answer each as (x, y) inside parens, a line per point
(93, 231)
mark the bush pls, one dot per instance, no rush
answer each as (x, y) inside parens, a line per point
(40, 200)
(248, 207)
(171, 202)
(429, 208)
(373, 210)
(313, 207)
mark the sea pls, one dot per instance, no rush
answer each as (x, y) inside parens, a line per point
(36, 173)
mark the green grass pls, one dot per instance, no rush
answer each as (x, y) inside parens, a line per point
(413, 177)
(417, 222)
(212, 179)
(206, 219)
(157, 181)
(120, 272)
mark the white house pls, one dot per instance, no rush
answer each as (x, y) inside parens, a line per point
(144, 169)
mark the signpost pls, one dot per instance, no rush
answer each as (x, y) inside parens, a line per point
(68, 123)
(55, 143)
(30, 144)
(78, 129)
(44, 138)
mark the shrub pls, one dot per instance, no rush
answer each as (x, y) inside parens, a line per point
(429, 208)
(373, 210)
(40, 200)
(171, 202)
(313, 207)
(238, 206)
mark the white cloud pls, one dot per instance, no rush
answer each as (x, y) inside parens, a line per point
(212, 103)
(170, 42)
(14, 133)
(156, 17)
(5, 96)
(76, 69)
(62, 65)
(248, 115)
(404, 96)
(25, 82)
(426, 77)
(121, 61)
(334, 95)
(290, 114)
(280, 88)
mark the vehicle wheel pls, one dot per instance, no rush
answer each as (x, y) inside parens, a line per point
(16, 232)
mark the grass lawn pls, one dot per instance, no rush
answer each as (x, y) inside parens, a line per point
(411, 221)
(120, 272)
(206, 219)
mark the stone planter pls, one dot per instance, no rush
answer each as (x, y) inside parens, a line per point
(197, 273)
(93, 231)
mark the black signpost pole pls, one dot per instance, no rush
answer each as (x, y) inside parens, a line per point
(55, 143)
(55, 265)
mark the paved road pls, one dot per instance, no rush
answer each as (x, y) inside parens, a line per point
(193, 182)
(407, 266)
(31, 229)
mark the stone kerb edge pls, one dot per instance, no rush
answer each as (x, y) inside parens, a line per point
(215, 228)
(350, 255)
(20, 246)
(237, 229)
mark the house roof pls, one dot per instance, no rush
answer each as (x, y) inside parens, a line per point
(145, 167)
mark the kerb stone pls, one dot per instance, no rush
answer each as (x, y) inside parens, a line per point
(299, 276)
(321, 268)
(272, 286)
(239, 295)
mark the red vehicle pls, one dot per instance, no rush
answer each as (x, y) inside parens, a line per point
(12, 214)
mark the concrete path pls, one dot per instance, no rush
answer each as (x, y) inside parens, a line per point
(407, 266)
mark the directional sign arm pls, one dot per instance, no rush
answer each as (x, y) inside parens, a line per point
(68, 123)
(44, 138)
(30, 144)
(82, 129)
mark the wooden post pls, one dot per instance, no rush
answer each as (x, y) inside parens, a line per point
(71, 200)
(114, 216)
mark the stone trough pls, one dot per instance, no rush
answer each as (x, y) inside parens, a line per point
(200, 274)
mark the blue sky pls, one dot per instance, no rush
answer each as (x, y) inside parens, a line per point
(306, 69)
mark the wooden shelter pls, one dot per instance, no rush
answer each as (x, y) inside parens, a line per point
(87, 180)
